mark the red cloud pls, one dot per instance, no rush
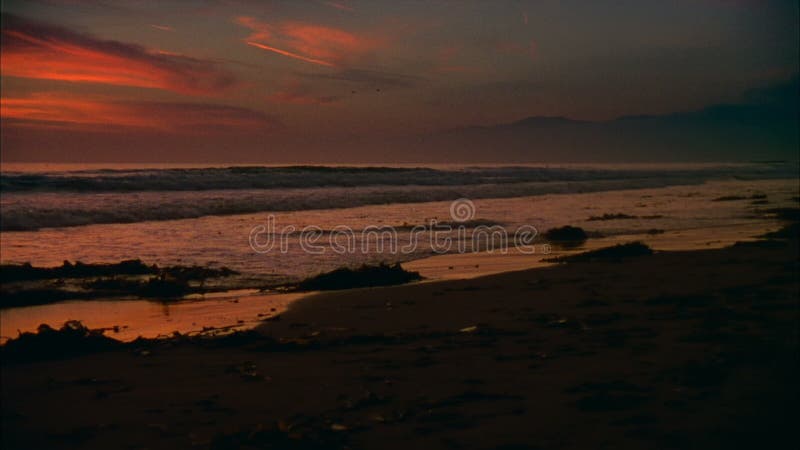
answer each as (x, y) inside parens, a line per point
(72, 112)
(36, 50)
(311, 43)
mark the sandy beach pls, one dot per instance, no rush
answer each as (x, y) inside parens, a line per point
(393, 225)
(673, 350)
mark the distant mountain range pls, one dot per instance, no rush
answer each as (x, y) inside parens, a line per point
(764, 126)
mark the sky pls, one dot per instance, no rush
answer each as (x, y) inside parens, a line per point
(363, 80)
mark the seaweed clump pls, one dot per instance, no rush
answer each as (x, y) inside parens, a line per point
(567, 236)
(72, 339)
(608, 216)
(24, 284)
(27, 272)
(154, 287)
(729, 198)
(615, 253)
(364, 276)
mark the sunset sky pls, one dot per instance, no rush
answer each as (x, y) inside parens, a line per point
(328, 81)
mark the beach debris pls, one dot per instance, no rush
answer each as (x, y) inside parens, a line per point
(247, 370)
(27, 272)
(284, 425)
(567, 236)
(729, 198)
(364, 276)
(24, 284)
(311, 437)
(369, 398)
(558, 323)
(339, 427)
(607, 216)
(614, 253)
(73, 338)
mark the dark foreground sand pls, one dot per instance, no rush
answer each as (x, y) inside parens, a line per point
(674, 350)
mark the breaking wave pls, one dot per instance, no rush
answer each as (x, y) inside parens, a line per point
(32, 201)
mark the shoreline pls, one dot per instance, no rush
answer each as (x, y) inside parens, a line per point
(680, 206)
(674, 349)
(245, 311)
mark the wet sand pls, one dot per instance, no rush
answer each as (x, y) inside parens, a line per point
(217, 313)
(675, 350)
(127, 320)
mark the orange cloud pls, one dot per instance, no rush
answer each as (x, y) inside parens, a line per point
(36, 50)
(51, 110)
(316, 44)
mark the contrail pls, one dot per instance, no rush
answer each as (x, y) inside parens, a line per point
(290, 54)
